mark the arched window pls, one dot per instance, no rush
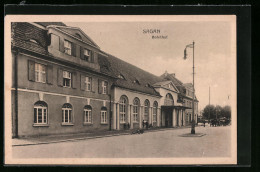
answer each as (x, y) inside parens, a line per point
(169, 100)
(146, 110)
(155, 107)
(40, 113)
(122, 109)
(87, 114)
(136, 105)
(67, 113)
(78, 36)
(103, 115)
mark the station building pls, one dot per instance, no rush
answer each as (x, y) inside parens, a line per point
(62, 82)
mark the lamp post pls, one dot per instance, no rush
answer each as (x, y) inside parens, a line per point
(193, 95)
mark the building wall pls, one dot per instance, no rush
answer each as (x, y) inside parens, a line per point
(23, 81)
(27, 99)
(163, 92)
(54, 48)
(131, 95)
(55, 96)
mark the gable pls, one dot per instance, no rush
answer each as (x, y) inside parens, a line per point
(170, 86)
(78, 33)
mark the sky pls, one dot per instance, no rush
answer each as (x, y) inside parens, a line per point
(212, 52)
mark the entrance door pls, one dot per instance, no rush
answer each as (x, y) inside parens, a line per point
(168, 117)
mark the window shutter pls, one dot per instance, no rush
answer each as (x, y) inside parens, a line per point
(108, 88)
(82, 82)
(74, 80)
(60, 77)
(93, 84)
(77, 50)
(92, 57)
(61, 45)
(99, 86)
(31, 70)
(82, 53)
(90, 83)
(73, 49)
(49, 74)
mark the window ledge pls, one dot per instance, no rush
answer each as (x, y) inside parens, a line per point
(87, 123)
(122, 122)
(40, 125)
(103, 123)
(135, 122)
(67, 124)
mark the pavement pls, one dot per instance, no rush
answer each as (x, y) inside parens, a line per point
(80, 136)
(165, 143)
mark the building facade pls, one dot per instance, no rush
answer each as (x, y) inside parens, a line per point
(62, 82)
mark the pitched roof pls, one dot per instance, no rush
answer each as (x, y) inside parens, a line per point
(161, 83)
(131, 73)
(188, 85)
(45, 24)
(24, 33)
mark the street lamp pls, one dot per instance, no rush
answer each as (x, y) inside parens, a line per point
(193, 95)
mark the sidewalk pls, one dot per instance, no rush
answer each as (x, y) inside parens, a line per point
(80, 136)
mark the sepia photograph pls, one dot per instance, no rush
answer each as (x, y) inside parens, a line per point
(120, 90)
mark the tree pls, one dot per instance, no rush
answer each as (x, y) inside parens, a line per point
(218, 110)
(209, 112)
(226, 112)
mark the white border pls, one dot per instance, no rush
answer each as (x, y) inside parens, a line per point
(115, 18)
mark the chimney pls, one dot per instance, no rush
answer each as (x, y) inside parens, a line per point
(165, 73)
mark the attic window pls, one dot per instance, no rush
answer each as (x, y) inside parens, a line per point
(121, 76)
(34, 41)
(148, 85)
(136, 82)
(105, 67)
(78, 36)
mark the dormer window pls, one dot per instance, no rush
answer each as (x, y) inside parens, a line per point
(148, 85)
(34, 41)
(121, 76)
(67, 47)
(136, 82)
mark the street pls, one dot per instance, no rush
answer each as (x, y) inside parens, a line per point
(159, 144)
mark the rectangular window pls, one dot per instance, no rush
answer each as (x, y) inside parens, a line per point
(67, 47)
(40, 115)
(40, 73)
(135, 114)
(103, 117)
(122, 110)
(87, 54)
(66, 79)
(104, 87)
(154, 114)
(88, 116)
(88, 83)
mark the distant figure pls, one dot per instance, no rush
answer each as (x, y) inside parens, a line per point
(204, 122)
(143, 123)
(128, 125)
